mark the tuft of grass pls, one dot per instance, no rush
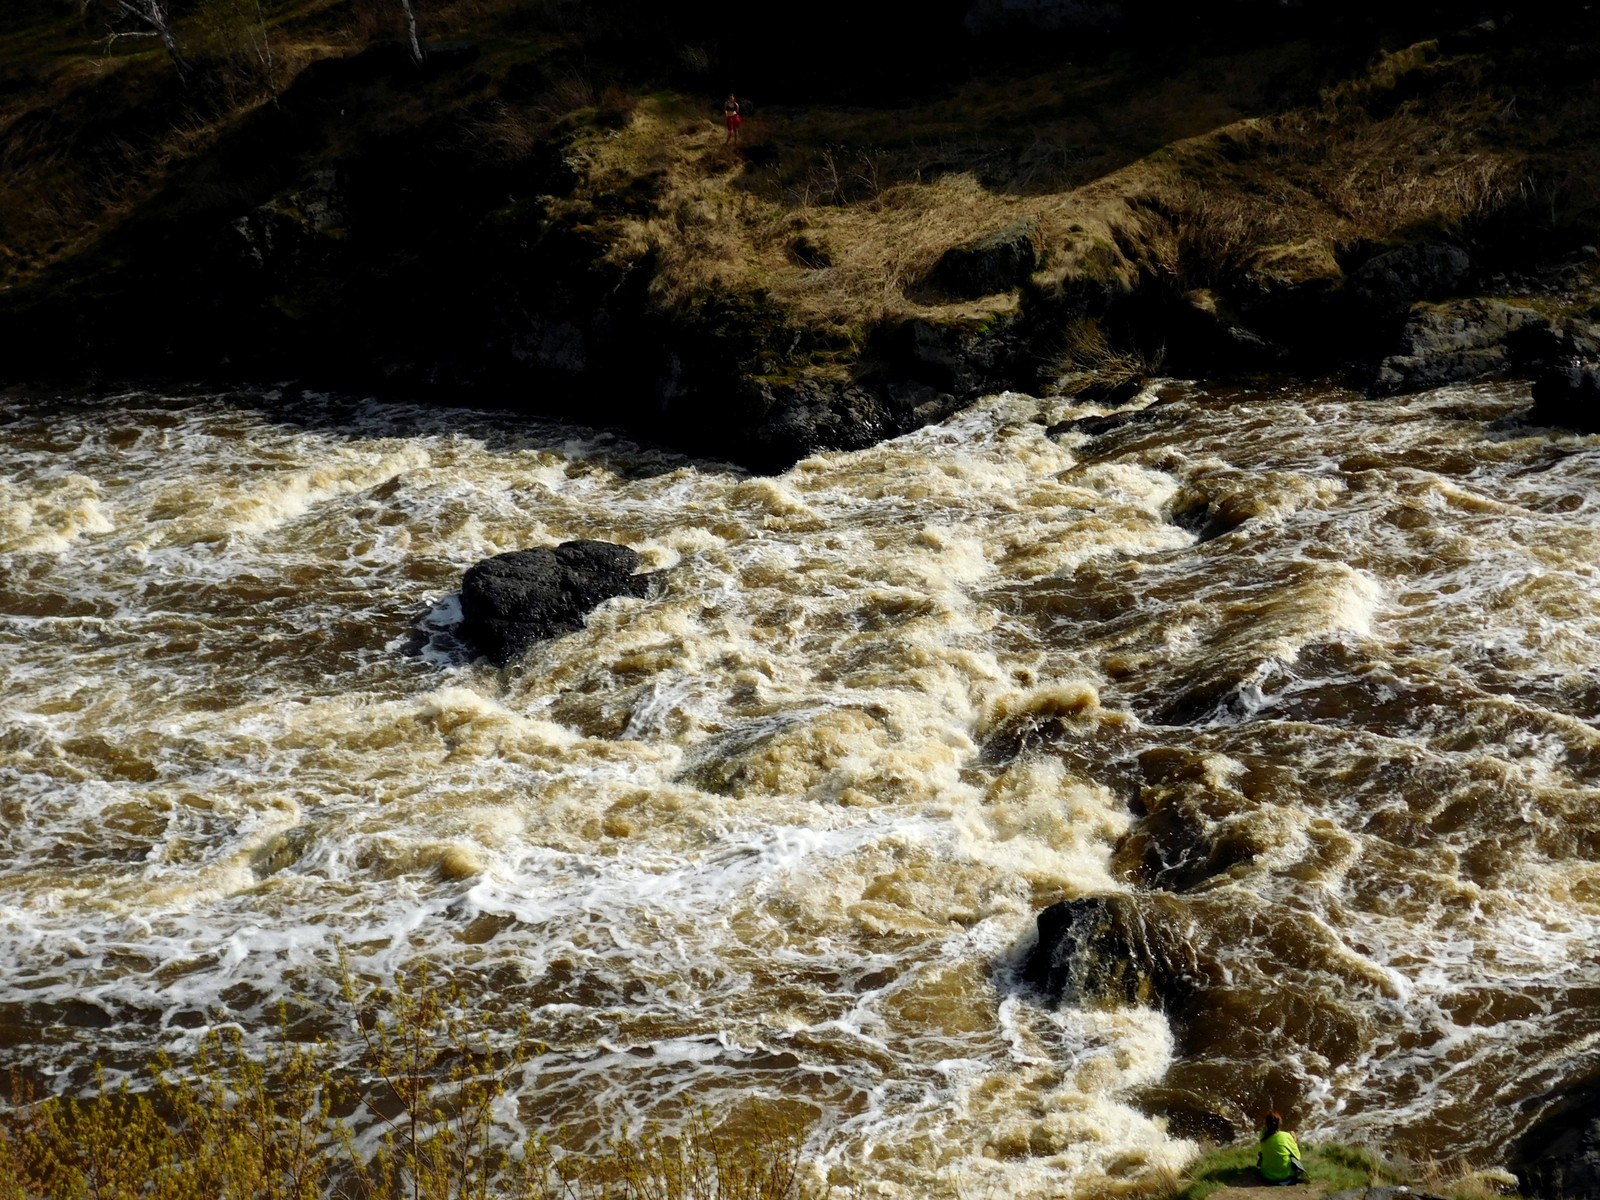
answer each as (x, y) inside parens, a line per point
(1089, 360)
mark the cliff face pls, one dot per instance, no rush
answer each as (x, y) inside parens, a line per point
(502, 224)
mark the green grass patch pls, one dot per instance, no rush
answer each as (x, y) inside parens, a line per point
(1338, 1166)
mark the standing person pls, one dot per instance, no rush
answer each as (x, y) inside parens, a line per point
(731, 114)
(1278, 1160)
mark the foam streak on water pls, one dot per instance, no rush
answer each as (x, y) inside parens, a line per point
(1310, 674)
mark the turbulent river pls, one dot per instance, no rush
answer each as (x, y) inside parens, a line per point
(1312, 674)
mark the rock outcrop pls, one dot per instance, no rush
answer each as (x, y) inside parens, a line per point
(1568, 394)
(789, 420)
(1560, 1156)
(512, 600)
(1454, 340)
(1391, 282)
(996, 262)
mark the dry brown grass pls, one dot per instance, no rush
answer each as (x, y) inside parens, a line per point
(885, 194)
(709, 230)
(1272, 195)
(1088, 357)
(1458, 1183)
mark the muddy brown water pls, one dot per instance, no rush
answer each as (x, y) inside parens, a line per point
(1310, 675)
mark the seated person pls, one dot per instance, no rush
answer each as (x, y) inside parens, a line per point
(1279, 1157)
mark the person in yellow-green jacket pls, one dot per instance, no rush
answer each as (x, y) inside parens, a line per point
(1279, 1157)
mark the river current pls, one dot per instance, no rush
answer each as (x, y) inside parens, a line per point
(1309, 673)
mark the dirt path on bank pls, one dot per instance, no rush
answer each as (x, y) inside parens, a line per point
(1314, 1190)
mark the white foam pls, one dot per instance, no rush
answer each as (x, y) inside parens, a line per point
(801, 805)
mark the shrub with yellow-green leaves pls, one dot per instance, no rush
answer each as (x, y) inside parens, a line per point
(235, 1123)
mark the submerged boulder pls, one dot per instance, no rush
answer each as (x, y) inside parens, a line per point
(1114, 948)
(512, 600)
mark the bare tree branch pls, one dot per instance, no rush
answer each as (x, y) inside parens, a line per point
(153, 15)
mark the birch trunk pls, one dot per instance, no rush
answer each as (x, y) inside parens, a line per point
(411, 28)
(150, 13)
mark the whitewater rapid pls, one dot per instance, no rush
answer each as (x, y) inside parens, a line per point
(1312, 668)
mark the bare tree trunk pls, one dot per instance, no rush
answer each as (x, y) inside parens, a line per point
(411, 27)
(266, 54)
(150, 12)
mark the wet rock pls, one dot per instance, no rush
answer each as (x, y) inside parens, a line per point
(1560, 1156)
(1111, 390)
(1568, 395)
(1391, 282)
(1112, 947)
(996, 262)
(512, 600)
(804, 416)
(1563, 357)
(1550, 344)
(1452, 341)
(1108, 423)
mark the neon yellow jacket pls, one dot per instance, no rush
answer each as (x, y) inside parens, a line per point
(1278, 1152)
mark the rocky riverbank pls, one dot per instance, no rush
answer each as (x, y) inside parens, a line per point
(537, 220)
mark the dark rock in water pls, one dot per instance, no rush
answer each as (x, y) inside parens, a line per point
(806, 416)
(1111, 947)
(1109, 422)
(1455, 340)
(1560, 1156)
(996, 262)
(1563, 357)
(1550, 344)
(1568, 395)
(512, 600)
(1111, 390)
(1391, 282)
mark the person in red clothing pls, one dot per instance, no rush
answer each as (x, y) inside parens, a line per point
(731, 113)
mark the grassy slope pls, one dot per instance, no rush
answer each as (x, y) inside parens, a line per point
(1334, 1168)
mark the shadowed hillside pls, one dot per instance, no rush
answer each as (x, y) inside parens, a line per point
(1036, 196)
